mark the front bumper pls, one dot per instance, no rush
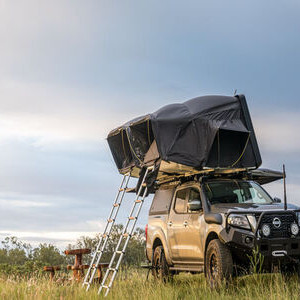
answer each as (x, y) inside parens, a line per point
(245, 241)
(281, 243)
(273, 247)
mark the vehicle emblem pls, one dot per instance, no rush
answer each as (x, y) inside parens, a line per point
(276, 222)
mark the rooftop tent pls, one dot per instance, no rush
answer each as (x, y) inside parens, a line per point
(205, 132)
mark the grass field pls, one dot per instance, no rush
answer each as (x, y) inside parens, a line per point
(133, 285)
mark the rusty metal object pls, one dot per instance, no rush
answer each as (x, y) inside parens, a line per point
(78, 268)
(51, 270)
(100, 268)
(78, 251)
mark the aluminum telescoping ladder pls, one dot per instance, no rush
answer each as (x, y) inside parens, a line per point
(128, 230)
(124, 238)
(107, 231)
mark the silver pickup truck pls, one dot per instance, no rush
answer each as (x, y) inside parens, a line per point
(213, 226)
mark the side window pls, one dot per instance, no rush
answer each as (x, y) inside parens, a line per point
(194, 194)
(180, 202)
(161, 201)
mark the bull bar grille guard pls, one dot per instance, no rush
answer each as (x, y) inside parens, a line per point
(262, 214)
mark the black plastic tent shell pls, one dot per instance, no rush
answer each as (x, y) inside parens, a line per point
(204, 132)
(264, 176)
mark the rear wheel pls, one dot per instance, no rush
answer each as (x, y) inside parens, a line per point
(160, 268)
(218, 263)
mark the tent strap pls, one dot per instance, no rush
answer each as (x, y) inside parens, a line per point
(148, 130)
(242, 152)
(123, 143)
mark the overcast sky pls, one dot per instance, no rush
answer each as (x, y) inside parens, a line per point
(72, 70)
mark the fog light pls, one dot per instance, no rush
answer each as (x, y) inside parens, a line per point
(266, 230)
(294, 229)
(248, 239)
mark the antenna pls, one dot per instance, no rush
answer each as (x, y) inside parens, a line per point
(284, 187)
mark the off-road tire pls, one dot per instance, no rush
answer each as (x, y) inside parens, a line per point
(160, 268)
(218, 263)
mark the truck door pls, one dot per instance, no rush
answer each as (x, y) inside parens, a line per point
(193, 235)
(183, 228)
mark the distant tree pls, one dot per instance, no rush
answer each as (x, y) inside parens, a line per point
(17, 257)
(3, 256)
(14, 251)
(48, 254)
(135, 252)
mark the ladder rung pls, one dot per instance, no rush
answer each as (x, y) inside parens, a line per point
(105, 286)
(110, 220)
(126, 234)
(126, 190)
(120, 252)
(132, 218)
(116, 204)
(112, 269)
(86, 282)
(105, 235)
(144, 184)
(99, 251)
(138, 201)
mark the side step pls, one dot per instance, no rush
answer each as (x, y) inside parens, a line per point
(188, 268)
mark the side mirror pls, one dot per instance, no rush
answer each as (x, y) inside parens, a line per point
(276, 200)
(194, 205)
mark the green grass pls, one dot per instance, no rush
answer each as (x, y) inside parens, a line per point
(133, 285)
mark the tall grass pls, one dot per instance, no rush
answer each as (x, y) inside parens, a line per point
(132, 284)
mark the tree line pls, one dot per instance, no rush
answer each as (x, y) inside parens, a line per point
(17, 257)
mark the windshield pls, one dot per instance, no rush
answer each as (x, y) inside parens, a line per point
(236, 191)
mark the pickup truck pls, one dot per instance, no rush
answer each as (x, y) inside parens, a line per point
(214, 225)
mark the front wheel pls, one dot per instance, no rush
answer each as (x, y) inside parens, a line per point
(218, 263)
(160, 268)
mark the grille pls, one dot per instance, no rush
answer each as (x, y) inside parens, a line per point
(284, 230)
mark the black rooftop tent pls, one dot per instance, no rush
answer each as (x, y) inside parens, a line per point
(210, 132)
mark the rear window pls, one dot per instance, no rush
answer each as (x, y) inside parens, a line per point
(161, 202)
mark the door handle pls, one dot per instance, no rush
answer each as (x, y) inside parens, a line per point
(185, 223)
(170, 223)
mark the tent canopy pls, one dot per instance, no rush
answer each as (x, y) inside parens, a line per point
(205, 132)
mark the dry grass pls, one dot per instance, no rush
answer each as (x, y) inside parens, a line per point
(133, 285)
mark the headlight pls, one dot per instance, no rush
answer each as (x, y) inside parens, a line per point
(238, 221)
(294, 229)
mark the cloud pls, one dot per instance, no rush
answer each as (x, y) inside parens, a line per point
(278, 131)
(50, 114)
(22, 203)
(59, 238)
(293, 191)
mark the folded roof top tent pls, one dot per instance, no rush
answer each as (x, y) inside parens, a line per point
(204, 134)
